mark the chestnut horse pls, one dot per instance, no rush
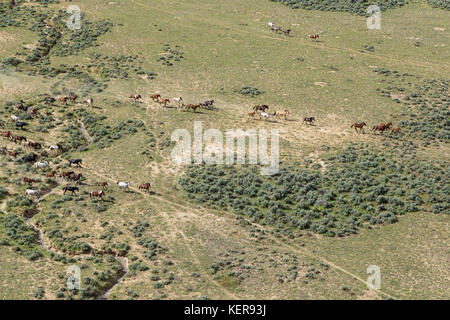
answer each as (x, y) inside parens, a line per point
(98, 194)
(145, 186)
(192, 106)
(155, 97)
(28, 180)
(359, 126)
(103, 184)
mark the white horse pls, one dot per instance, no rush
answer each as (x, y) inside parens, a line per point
(14, 118)
(178, 101)
(89, 101)
(265, 115)
(32, 192)
(271, 24)
(53, 147)
(124, 185)
(41, 165)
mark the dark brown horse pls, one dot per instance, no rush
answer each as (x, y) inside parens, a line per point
(28, 180)
(313, 36)
(359, 126)
(73, 97)
(19, 139)
(13, 154)
(66, 174)
(75, 177)
(6, 134)
(309, 120)
(261, 108)
(34, 145)
(145, 186)
(382, 127)
(192, 106)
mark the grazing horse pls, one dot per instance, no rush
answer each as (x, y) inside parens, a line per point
(287, 32)
(34, 145)
(78, 162)
(71, 189)
(13, 154)
(98, 194)
(63, 99)
(89, 101)
(163, 101)
(309, 120)
(124, 185)
(313, 36)
(28, 180)
(6, 134)
(20, 124)
(155, 97)
(49, 100)
(18, 138)
(145, 186)
(359, 126)
(38, 165)
(66, 174)
(75, 177)
(281, 114)
(192, 106)
(19, 106)
(103, 184)
(73, 97)
(135, 96)
(32, 192)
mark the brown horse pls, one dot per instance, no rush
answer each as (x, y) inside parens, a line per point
(145, 186)
(313, 36)
(382, 127)
(19, 139)
(192, 106)
(155, 97)
(75, 177)
(63, 99)
(6, 134)
(359, 126)
(28, 180)
(13, 154)
(66, 174)
(103, 184)
(34, 145)
(252, 114)
(163, 101)
(98, 194)
(51, 174)
(73, 97)
(395, 130)
(33, 113)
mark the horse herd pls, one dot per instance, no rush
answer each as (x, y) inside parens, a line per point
(379, 127)
(287, 32)
(74, 177)
(207, 104)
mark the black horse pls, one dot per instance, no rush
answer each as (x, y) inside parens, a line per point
(309, 120)
(49, 100)
(78, 162)
(71, 189)
(20, 124)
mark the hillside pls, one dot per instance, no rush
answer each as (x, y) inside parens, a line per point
(341, 202)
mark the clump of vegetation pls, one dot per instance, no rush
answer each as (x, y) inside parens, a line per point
(356, 7)
(358, 189)
(171, 55)
(248, 91)
(443, 4)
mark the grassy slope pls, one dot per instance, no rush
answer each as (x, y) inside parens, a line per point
(227, 45)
